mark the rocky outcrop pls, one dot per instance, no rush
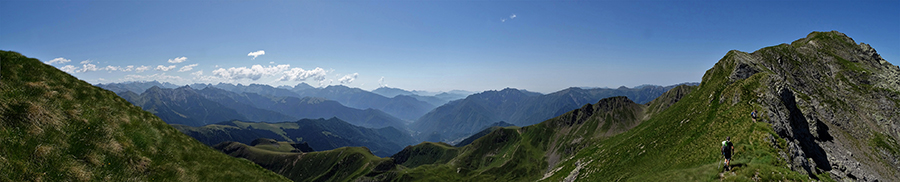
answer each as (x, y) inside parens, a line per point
(832, 100)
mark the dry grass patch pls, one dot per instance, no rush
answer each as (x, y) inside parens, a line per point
(95, 158)
(113, 146)
(78, 171)
(141, 164)
(42, 151)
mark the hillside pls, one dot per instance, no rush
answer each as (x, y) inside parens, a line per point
(458, 119)
(342, 164)
(320, 134)
(54, 127)
(183, 105)
(309, 107)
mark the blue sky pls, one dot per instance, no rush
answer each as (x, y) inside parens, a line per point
(541, 46)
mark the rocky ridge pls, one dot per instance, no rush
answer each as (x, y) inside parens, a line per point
(834, 102)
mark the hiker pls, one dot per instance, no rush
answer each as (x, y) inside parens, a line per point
(753, 114)
(727, 150)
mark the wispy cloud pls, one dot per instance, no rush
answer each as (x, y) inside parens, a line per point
(59, 60)
(178, 60)
(511, 17)
(68, 69)
(141, 69)
(298, 74)
(87, 67)
(257, 53)
(111, 68)
(381, 82)
(255, 72)
(348, 78)
(187, 68)
(165, 68)
(162, 77)
(198, 73)
(85, 61)
(128, 68)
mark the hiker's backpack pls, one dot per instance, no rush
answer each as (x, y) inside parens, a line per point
(724, 145)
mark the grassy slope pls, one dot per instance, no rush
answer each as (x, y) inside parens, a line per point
(341, 164)
(320, 134)
(54, 127)
(520, 153)
(681, 143)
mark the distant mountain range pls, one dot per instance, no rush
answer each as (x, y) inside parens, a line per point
(450, 122)
(436, 99)
(320, 134)
(458, 119)
(187, 106)
(405, 107)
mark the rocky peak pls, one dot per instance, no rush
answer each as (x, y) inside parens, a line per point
(828, 97)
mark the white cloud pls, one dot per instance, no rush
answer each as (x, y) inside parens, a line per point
(128, 68)
(271, 62)
(298, 74)
(187, 68)
(381, 82)
(68, 68)
(85, 61)
(59, 60)
(165, 68)
(111, 68)
(198, 73)
(178, 60)
(87, 67)
(513, 16)
(348, 78)
(141, 69)
(253, 73)
(257, 53)
(161, 77)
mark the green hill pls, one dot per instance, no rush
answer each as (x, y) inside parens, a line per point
(341, 164)
(320, 134)
(54, 127)
(459, 119)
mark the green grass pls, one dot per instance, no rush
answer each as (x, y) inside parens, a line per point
(278, 147)
(54, 127)
(885, 142)
(664, 149)
(341, 164)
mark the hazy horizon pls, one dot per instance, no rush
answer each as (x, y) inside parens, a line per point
(539, 46)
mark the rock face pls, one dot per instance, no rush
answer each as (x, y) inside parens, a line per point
(835, 102)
